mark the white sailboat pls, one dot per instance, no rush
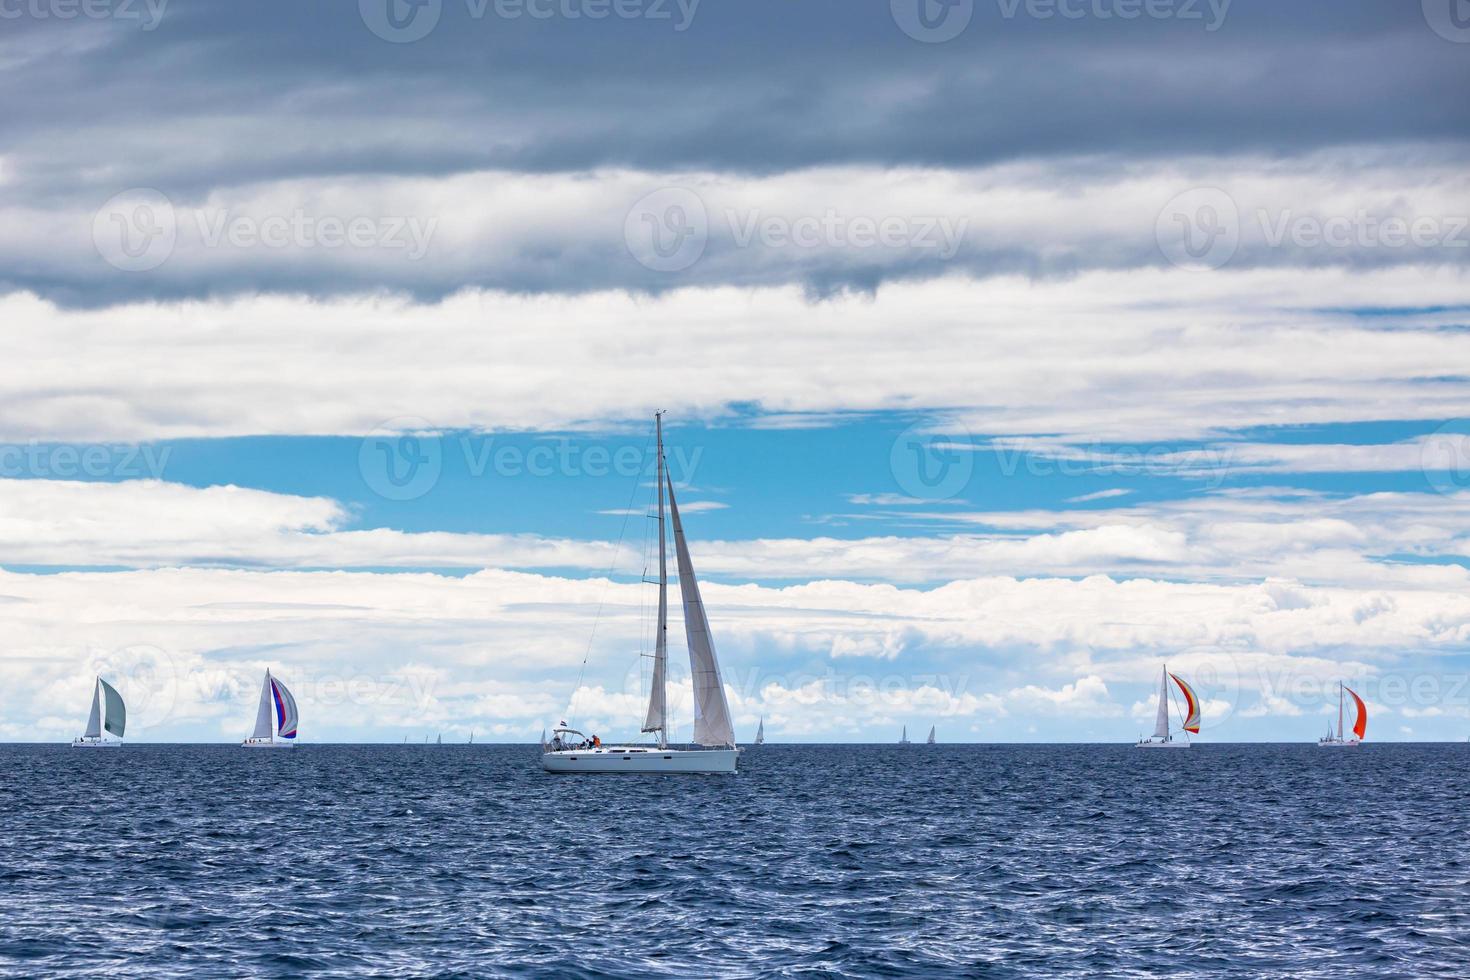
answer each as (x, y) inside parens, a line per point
(1360, 725)
(930, 739)
(109, 717)
(275, 717)
(904, 738)
(1162, 738)
(714, 733)
(760, 732)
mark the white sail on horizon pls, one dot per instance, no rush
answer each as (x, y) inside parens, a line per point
(108, 713)
(94, 720)
(712, 724)
(264, 722)
(1161, 722)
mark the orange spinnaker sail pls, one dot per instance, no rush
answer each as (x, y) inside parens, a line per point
(1361, 725)
(1191, 723)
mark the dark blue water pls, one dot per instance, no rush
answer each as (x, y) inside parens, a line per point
(814, 861)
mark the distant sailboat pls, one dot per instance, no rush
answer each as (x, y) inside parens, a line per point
(273, 732)
(439, 739)
(1360, 726)
(930, 740)
(904, 738)
(714, 733)
(760, 732)
(113, 720)
(472, 738)
(1161, 738)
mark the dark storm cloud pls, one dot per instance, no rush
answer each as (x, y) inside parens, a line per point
(219, 94)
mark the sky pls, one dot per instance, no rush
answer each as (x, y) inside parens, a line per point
(1010, 350)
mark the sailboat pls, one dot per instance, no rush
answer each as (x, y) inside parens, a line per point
(275, 718)
(1161, 738)
(439, 739)
(760, 732)
(904, 738)
(112, 721)
(1360, 726)
(714, 733)
(472, 738)
(930, 739)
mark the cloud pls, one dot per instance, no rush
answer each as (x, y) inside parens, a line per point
(1081, 359)
(828, 229)
(1099, 495)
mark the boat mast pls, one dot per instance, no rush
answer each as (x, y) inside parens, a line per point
(661, 641)
(1339, 711)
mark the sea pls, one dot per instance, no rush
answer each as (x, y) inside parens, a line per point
(813, 861)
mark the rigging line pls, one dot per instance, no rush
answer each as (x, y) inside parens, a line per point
(602, 599)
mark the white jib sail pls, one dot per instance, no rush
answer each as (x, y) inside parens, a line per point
(657, 718)
(712, 725)
(94, 720)
(263, 727)
(1161, 724)
(285, 709)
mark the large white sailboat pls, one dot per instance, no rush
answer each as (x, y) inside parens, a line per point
(1162, 738)
(714, 734)
(275, 718)
(1360, 725)
(109, 717)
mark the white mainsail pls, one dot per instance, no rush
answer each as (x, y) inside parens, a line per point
(712, 725)
(263, 725)
(94, 720)
(1161, 723)
(930, 740)
(760, 732)
(657, 719)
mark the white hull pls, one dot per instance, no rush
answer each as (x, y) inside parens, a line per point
(87, 743)
(1351, 743)
(1161, 745)
(613, 758)
(265, 743)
